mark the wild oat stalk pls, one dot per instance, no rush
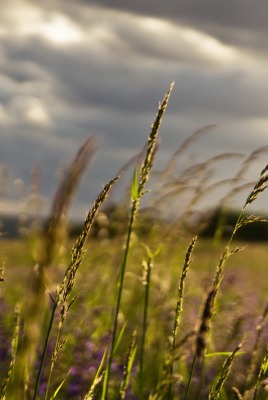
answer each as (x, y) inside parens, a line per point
(137, 193)
(178, 309)
(63, 296)
(215, 392)
(14, 347)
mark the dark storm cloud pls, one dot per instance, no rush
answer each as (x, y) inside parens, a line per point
(240, 23)
(241, 14)
(53, 95)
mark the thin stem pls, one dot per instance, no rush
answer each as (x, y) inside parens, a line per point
(53, 361)
(55, 304)
(178, 309)
(145, 314)
(190, 377)
(118, 302)
(201, 379)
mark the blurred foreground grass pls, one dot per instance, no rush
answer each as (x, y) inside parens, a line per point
(239, 305)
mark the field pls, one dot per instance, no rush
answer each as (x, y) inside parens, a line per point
(142, 313)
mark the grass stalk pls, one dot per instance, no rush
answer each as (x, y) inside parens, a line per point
(137, 193)
(118, 302)
(128, 366)
(146, 281)
(178, 309)
(44, 349)
(63, 296)
(190, 377)
(14, 347)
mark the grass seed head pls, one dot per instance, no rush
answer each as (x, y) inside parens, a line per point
(260, 186)
(205, 322)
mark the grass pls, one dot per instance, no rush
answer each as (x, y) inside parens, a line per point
(126, 318)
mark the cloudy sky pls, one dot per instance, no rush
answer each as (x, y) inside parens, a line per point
(75, 68)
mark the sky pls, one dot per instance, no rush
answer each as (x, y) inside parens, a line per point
(73, 69)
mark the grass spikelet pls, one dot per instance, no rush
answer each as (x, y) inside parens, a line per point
(147, 267)
(152, 145)
(178, 311)
(215, 392)
(179, 303)
(248, 161)
(248, 219)
(128, 365)
(64, 194)
(236, 191)
(137, 192)
(14, 347)
(97, 379)
(78, 249)
(187, 142)
(91, 394)
(205, 322)
(260, 186)
(219, 272)
(201, 334)
(59, 209)
(63, 296)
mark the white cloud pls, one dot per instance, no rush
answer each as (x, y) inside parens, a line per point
(29, 109)
(30, 20)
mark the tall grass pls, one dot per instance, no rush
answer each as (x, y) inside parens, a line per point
(144, 329)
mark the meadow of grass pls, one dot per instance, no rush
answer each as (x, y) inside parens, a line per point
(161, 315)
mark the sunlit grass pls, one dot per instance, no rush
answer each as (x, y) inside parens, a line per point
(141, 314)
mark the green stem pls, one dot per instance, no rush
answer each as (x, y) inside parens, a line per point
(53, 361)
(255, 394)
(144, 325)
(190, 377)
(118, 302)
(55, 304)
(201, 378)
